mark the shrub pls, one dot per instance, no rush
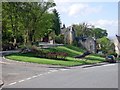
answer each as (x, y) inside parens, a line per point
(59, 39)
(31, 49)
(75, 43)
(57, 55)
(9, 46)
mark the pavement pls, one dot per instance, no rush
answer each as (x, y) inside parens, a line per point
(17, 73)
(15, 70)
(105, 76)
(8, 52)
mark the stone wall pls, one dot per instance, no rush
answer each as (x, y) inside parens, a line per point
(89, 44)
(69, 34)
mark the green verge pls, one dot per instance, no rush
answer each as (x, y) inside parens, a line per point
(70, 60)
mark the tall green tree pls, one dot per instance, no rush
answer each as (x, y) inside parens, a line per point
(27, 20)
(82, 29)
(56, 21)
(98, 33)
(89, 31)
(10, 19)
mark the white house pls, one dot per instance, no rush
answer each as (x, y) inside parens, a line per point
(117, 45)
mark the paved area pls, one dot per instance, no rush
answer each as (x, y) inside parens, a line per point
(30, 75)
(105, 76)
(14, 70)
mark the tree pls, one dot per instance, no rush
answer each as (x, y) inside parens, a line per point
(89, 31)
(106, 45)
(10, 19)
(99, 33)
(27, 20)
(56, 21)
(82, 29)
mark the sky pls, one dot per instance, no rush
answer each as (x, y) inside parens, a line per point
(100, 14)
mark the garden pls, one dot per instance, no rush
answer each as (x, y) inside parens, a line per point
(38, 56)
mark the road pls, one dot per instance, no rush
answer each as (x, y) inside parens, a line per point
(104, 76)
(14, 71)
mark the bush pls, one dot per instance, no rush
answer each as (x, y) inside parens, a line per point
(32, 49)
(8, 46)
(75, 43)
(56, 55)
(59, 39)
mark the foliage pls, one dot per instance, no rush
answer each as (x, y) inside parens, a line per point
(99, 33)
(75, 43)
(59, 39)
(70, 61)
(82, 29)
(86, 30)
(56, 21)
(27, 22)
(106, 45)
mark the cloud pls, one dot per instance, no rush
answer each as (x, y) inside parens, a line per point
(76, 9)
(110, 25)
(87, 1)
(83, 9)
(104, 23)
(92, 10)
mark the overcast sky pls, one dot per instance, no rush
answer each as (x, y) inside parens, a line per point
(100, 14)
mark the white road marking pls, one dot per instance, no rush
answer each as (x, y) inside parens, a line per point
(28, 78)
(21, 81)
(34, 76)
(109, 65)
(50, 71)
(64, 69)
(13, 83)
(39, 75)
(100, 66)
(53, 70)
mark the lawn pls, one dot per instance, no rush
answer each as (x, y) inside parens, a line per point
(69, 61)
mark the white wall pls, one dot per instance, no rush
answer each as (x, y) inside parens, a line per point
(117, 46)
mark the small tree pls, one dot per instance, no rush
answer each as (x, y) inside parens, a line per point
(106, 45)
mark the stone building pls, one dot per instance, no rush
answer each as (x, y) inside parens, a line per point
(69, 34)
(89, 43)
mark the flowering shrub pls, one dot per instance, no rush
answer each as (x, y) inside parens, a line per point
(60, 55)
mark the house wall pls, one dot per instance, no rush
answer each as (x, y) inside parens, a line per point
(69, 35)
(89, 44)
(117, 46)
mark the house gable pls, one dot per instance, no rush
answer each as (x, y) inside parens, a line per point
(118, 37)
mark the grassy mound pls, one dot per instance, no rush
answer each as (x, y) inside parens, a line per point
(69, 61)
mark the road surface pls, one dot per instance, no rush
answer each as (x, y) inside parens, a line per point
(104, 76)
(14, 71)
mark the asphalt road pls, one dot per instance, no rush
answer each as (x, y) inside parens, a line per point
(13, 71)
(104, 76)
